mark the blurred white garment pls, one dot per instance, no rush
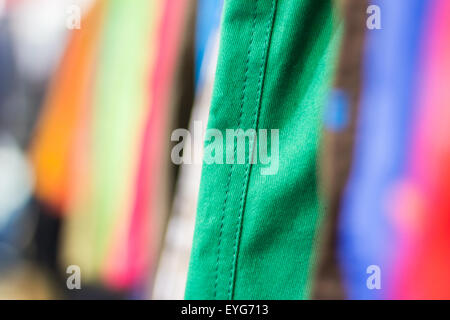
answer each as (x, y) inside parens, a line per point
(16, 181)
(39, 29)
(171, 274)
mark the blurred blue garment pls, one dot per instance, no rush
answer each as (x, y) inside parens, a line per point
(208, 20)
(391, 64)
(15, 193)
(6, 63)
(337, 112)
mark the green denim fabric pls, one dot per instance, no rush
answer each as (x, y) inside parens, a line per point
(255, 232)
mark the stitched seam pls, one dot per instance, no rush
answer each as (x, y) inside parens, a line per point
(248, 166)
(244, 89)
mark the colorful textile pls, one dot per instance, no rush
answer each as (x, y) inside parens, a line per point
(368, 230)
(254, 232)
(336, 149)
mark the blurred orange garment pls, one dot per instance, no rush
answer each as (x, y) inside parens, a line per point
(68, 96)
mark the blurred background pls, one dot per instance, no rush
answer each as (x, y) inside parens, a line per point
(90, 91)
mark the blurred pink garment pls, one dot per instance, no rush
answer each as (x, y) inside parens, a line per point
(424, 261)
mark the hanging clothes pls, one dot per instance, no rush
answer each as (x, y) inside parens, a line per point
(421, 202)
(368, 237)
(68, 96)
(99, 151)
(336, 150)
(119, 102)
(149, 206)
(254, 232)
(170, 279)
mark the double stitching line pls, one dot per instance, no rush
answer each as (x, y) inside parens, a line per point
(244, 89)
(254, 125)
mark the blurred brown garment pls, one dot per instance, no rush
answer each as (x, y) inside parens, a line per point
(337, 149)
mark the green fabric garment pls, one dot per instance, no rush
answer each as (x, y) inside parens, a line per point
(120, 103)
(254, 233)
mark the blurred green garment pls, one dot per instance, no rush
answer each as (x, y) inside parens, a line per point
(255, 229)
(99, 217)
